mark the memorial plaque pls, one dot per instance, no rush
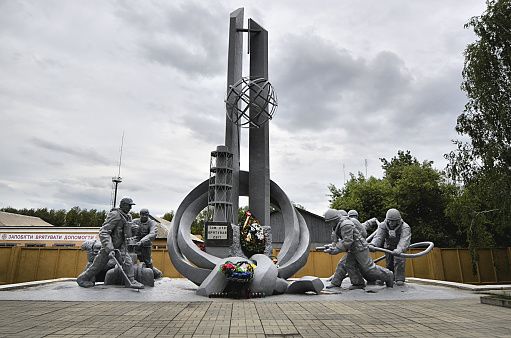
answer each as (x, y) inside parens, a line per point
(218, 234)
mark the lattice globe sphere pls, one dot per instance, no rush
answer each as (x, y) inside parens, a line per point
(251, 102)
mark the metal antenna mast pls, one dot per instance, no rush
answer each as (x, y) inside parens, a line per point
(118, 179)
(344, 173)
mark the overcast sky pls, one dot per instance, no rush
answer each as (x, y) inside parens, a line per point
(355, 80)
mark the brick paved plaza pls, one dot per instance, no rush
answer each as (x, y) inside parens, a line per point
(223, 318)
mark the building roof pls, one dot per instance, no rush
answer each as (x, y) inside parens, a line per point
(8, 219)
(162, 228)
(319, 231)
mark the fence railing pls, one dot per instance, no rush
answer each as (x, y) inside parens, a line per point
(23, 264)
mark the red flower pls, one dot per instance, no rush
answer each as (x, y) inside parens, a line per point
(228, 267)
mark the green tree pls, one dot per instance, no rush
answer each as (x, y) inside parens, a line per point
(58, 217)
(394, 168)
(169, 216)
(483, 164)
(197, 227)
(84, 218)
(416, 189)
(10, 209)
(422, 196)
(43, 214)
(73, 217)
(370, 197)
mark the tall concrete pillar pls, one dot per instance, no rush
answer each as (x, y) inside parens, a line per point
(234, 73)
(259, 141)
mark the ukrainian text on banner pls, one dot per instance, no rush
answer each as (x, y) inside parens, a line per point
(46, 237)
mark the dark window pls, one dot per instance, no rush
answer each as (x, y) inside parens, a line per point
(35, 245)
(8, 244)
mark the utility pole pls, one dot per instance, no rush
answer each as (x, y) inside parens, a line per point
(118, 179)
(343, 174)
(365, 163)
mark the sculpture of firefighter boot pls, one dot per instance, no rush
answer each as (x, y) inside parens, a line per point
(144, 233)
(113, 234)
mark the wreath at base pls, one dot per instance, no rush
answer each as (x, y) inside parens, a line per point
(240, 272)
(252, 237)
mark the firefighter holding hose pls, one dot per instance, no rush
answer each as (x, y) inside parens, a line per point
(394, 234)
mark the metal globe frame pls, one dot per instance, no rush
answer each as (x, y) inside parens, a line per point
(251, 102)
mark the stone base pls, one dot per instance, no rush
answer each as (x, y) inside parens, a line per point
(236, 244)
(497, 301)
(219, 251)
(142, 274)
(306, 284)
(268, 250)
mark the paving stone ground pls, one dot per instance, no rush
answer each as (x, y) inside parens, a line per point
(245, 318)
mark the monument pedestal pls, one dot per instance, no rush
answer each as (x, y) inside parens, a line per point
(218, 238)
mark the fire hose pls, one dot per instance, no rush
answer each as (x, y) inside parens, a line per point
(429, 246)
(116, 255)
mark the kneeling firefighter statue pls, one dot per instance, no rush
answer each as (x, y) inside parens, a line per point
(113, 235)
(144, 232)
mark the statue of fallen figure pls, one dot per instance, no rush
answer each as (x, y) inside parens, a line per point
(112, 274)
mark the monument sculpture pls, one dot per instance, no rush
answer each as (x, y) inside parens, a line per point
(391, 237)
(350, 240)
(113, 259)
(92, 247)
(341, 272)
(394, 234)
(144, 233)
(250, 103)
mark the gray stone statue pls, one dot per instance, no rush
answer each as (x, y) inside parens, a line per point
(353, 214)
(394, 234)
(144, 231)
(340, 271)
(92, 247)
(113, 234)
(350, 240)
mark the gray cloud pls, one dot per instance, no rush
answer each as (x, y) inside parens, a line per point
(83, 154)
(6, 187)
(365, 100)
(85, 198)
(319, 84)
(180, 35)
(354, 82)
(206, 126)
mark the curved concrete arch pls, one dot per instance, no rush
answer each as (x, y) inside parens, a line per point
(291, 226)
(192, 272)
(183, 252)
(188, 248)
(299, 258)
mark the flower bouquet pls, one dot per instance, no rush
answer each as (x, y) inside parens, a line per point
(252, 237)
(241, 272)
